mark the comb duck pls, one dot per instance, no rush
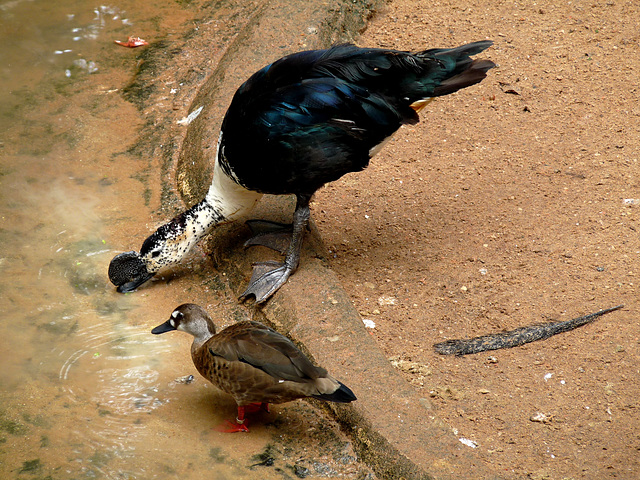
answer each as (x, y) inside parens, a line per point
(252, 363)
(295, 125)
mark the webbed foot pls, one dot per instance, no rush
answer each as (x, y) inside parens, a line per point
(232, 427)
(273, 235)
(241, 424)
(267, 278)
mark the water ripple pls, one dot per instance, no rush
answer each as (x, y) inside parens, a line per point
(112, 382)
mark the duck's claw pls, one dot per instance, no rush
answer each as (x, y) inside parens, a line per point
(267, 278)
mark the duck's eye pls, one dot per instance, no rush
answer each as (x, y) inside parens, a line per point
(155, 253)
(177, 315)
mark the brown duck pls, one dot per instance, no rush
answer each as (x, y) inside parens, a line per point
(252, 363)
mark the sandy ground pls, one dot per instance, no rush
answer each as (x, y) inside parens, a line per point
(510, 203)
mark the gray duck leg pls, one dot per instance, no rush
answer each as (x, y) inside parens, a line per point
(269, 276)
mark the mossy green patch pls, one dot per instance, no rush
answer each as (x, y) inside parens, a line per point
(31, 466)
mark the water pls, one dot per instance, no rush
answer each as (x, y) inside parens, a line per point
(85, 390)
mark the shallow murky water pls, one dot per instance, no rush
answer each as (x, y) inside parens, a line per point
(85, 390)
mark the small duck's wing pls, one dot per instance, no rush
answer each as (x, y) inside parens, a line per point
(265, 349)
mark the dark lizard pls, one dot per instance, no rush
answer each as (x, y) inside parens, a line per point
(517, 337)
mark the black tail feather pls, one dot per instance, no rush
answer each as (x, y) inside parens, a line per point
(466, 50)
(476, 72)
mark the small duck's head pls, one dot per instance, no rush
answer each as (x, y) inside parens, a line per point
(190, 318)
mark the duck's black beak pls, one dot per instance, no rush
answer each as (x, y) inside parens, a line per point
(127, 271)
(131, 286)
(163, 328)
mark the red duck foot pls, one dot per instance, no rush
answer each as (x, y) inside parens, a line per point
(232, 427)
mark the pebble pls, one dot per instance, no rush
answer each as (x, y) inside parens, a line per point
(386, 300)
(468, 443)
(540, 417)
(369, 323)
(186, 380)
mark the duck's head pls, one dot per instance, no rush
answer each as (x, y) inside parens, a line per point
(190, 318)
(128, 271)
(166, 246)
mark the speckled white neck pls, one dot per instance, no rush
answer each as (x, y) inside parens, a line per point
(225, 201)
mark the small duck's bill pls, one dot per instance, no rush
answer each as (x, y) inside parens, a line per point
(163, 328)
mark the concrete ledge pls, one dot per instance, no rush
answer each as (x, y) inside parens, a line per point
(394, 430)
